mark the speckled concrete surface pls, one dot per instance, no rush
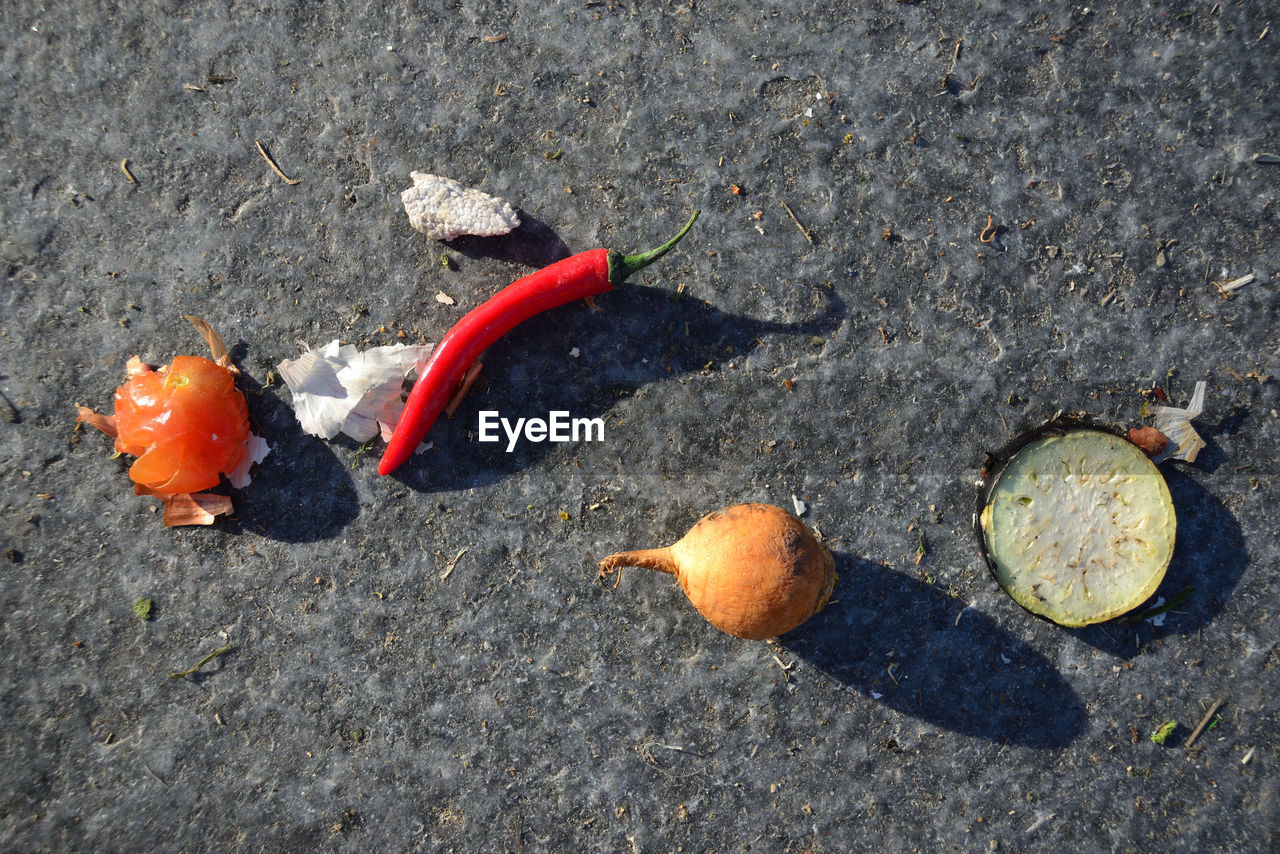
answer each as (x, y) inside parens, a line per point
(427, 661)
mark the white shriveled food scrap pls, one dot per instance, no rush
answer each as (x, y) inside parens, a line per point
(1175, 423)
(443, 209)
(341, 389)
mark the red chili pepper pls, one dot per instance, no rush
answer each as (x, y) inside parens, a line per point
(578, 277)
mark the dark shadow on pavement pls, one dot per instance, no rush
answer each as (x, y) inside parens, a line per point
(533, 244)
(1209, 556)
(302, 491)
(910, 646)
(639, 335)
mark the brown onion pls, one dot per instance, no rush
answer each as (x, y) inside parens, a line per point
(753, 570)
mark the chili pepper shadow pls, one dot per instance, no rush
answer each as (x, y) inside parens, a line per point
(639, 337)
(301, 492)
(533, 244)
(1209, 557)
(912, 647)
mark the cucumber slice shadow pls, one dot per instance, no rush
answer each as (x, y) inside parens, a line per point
(1077, 524)
(910, 646)
(1209, 553)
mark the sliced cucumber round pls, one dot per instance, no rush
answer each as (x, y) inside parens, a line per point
(1077, 525)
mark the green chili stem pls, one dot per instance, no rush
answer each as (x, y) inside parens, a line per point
(621, 266)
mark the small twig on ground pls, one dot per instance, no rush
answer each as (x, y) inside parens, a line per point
(124, 167)
(1234, 285)
(222, 650)
(796, 220)
(646, 750)
(157, 777)
(449, 569)
(274, 168)
(1204, 722)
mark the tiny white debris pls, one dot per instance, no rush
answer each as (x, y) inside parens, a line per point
(443, 209)
(341, 389)
(1158, 619)
(441, 296)
(1006, 659)
(799, 505)
(1175, 424)
(256, 450)
(575, 353)
(1248, 757)
(876, 695)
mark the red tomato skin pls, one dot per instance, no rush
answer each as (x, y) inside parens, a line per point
(186, 423)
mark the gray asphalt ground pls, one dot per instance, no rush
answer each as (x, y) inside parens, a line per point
(428, 661)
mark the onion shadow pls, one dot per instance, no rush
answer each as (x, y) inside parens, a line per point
(638, 336)
(910, 646)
